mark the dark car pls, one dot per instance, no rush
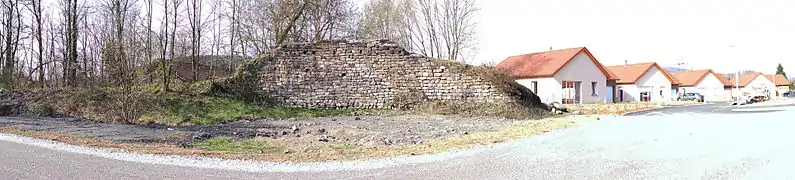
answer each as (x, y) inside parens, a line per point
(789, 94)
(692, 97)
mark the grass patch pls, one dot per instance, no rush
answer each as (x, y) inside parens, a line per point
(148, 106)
(190, 110)
(342, 147)
(227, 144)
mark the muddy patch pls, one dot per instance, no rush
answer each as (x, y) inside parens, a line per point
(93, 129)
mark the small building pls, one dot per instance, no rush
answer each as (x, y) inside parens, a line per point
(727, 85)
(644, 82)
(781, 82)
(704, 82)
(754, 84)
(568, 76)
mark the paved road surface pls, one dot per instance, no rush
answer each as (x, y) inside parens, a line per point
(671, 146)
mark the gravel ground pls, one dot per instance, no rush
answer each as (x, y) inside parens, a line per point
(676, 146)
(368, 131)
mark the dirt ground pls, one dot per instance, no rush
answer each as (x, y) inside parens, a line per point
(304, 140)
(352, 130)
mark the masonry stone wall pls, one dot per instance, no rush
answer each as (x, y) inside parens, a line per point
(377, 74)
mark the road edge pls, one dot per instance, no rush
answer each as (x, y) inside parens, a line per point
(238, 165)
(638, 111)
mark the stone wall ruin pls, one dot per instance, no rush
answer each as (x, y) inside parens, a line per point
(377, 74)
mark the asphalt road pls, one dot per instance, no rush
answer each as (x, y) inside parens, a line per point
(714, 108)
(675, 144)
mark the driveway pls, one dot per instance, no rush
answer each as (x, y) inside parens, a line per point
(716, 108)
(678, 144)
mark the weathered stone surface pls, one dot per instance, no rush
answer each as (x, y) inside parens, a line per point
(375, 74)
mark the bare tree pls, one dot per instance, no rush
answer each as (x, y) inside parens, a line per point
(326, 20)
(164, 60)
(148, 31)
(36, 12)
(443, 29)
(12, 28)
(233, 32)
(70, 61)
(195, 19)
(168, 68)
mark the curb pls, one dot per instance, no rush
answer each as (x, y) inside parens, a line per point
(624, 114)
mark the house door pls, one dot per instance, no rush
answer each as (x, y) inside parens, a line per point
(609, 95)
(571, 92)
(621, 95)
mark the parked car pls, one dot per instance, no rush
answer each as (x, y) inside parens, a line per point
(789, 94)
(692, 97)
(760, 98)
(741, 100)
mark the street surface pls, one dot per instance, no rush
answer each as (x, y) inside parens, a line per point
(693, 142)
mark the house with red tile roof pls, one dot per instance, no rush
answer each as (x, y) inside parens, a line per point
(704, 82)
(754, 84)
(645, 82)
(728, 87)
(569, 76)
(781, 82)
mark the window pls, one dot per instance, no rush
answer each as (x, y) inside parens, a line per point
(535, 86)
(645, 96)
(593, 89)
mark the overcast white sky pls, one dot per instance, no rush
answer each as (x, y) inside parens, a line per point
(699, 32)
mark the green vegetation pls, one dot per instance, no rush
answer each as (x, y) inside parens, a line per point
(227, 144)
(188, 110)
(186, 104)
(342, 147)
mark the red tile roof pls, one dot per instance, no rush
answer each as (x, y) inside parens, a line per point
(744, 79)
(724, 80)
(546, 64)
(780, 80)
(629, 74)
(674, 81)
(691, 78)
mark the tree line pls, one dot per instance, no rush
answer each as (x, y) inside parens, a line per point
(90, 43)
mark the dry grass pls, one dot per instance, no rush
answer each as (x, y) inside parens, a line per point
(613, 108)
(621, 108)
(507, 110)
(311, 150)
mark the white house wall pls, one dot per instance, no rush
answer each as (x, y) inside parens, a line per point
(710, 87)
(656, 82)
(652, 81)
(782, 90)
(759, 85)
(630, 92)
(549, 90)
(582, 69)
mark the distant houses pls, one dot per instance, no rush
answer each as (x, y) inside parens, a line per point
(643, 82)
(575, 76)
(704, 82)
(781, 82)
(755, 84)
(568, 76)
